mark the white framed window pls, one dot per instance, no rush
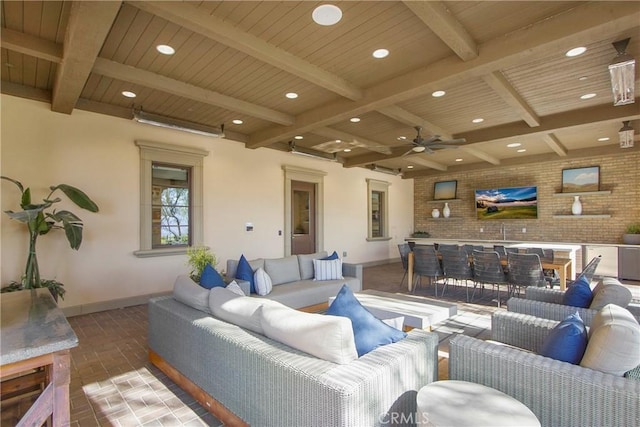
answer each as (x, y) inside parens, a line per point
(378, 210)
(171, 188)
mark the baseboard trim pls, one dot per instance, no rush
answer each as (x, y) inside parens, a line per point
(381, 262)
(95, 307)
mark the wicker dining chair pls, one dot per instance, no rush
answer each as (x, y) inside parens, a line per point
(426, 263)
(524, 270)
(456, 266)
(404, 250)
(488, 270)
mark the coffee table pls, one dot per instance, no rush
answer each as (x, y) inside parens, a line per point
(418, 312)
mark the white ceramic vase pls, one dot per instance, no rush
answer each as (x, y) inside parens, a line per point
(446, 211)
(576, 207)
(435, 213)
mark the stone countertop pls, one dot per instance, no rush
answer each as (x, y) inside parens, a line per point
(516, 242)
(32, 325)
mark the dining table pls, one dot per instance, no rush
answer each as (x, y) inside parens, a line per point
(563, 265)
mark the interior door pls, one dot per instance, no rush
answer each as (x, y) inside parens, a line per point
(303, 217)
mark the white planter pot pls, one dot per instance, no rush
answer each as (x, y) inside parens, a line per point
(631, 239)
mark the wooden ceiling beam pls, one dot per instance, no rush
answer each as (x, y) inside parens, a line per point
(337, 134)
(192, 18)
(89, 24)
(131, 74)
(408, 118)
(554, 143)
(31, 45)
(584, 24)
(506, 91)
(442, 22)
(603, 113)
(481, 155)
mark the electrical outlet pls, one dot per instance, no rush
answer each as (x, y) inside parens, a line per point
(481, 230)
(524, 229)
(344, 254)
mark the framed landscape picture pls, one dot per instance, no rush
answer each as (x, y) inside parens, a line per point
(581, 179)
(445, 190)
(507, 203)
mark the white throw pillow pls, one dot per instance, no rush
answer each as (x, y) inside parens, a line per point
(330, 269)
(262, 282)
(190, 293)
(614, 341)
(325, 337)
(235, 288)
(241, 311)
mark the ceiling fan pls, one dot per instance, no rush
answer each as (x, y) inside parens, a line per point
(422, 145)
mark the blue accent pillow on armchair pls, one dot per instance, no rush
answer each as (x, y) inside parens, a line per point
(567, 341)
(245, 272)
(369, 332)
(579, 294)
(334, 255)
(210, 278)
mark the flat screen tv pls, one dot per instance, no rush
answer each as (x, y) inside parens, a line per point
(507, 203)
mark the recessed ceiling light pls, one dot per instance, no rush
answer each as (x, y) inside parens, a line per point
(478, 120)
(588, 96)
(291, 95)
(128, 94)
(237, 122)
(338, 141)
(326, 14)
(603, 139)
(298, 137)
(354, 119)
(458, 159)
(582, 78)
(514, 144)
(409, 166)
(165, 49)
(576, 51)
(522, 150)
(380, 53)
(402, 138)
(438, 93)
(347, 150)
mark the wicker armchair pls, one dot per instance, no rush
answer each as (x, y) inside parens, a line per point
(559, 393)
(548, 304)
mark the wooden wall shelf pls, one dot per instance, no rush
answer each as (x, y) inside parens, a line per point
(583, 193)
(583, 216)
(443, 201)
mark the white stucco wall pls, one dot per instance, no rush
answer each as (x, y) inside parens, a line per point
(97, 154)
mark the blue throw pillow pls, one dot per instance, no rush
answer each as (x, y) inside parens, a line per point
(334, 255)
(368, 331)
(245, 272)
(579, 294)
(210, 278)
(567, 341)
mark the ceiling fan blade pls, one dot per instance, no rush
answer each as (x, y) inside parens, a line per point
(443, 146)
(455, 141)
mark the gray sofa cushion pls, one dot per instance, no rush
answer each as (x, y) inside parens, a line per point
(232, 266)
(309, 292)
(190, 293)
(282, 270)
(306, 264)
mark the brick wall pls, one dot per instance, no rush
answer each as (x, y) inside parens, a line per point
(619, 174)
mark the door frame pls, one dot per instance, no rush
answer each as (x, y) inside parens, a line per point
(296, 173)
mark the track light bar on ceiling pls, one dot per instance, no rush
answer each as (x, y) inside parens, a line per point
(177, 124)
(301, 151)
(383, 169)
(622, 71)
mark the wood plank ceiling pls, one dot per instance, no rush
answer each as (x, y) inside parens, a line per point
(503, 62)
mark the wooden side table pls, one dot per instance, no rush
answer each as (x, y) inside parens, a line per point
(34, 334)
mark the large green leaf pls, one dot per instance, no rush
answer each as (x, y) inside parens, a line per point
(18, 183)
(25, 216)
(77, 196)
(26, 198)
(72, 227)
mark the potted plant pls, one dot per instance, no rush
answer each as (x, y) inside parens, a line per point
(198, 258)
(40, 219)
(419, 233)
(631, 235)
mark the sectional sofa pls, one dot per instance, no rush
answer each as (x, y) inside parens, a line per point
(246, 378)
(293, 279)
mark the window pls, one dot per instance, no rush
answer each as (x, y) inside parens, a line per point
(171, 214)
(378, 212)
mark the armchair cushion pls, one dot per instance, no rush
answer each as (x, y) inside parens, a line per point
(567, 341)
(610, 291)
(614, 341)
(579, 294)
